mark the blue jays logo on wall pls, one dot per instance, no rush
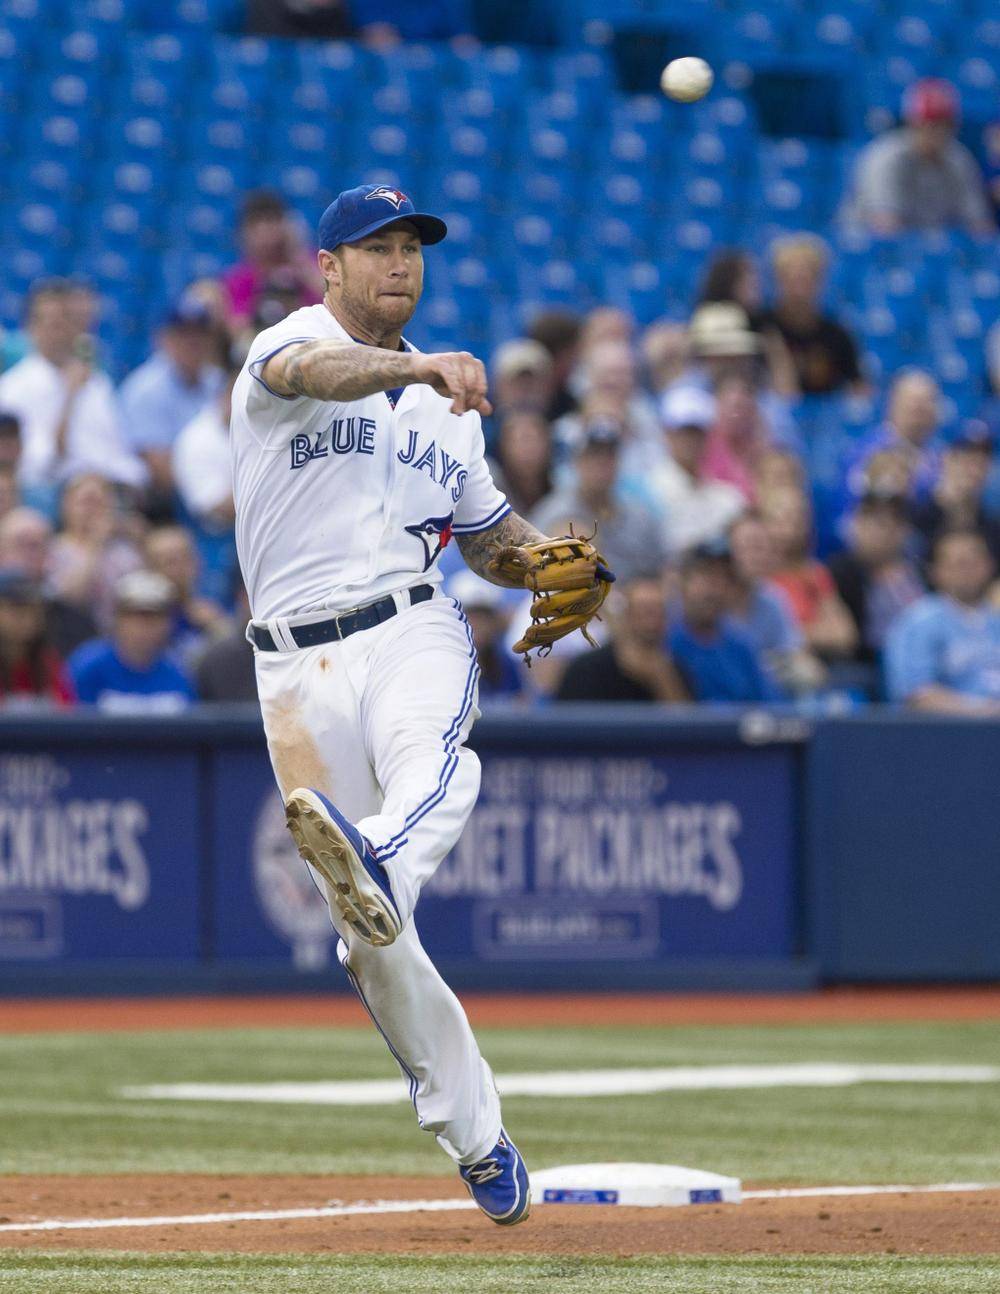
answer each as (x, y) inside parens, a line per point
(434, 533)
(395, 196)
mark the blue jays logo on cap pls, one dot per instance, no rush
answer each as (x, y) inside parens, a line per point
(356, 213)
(395, 196)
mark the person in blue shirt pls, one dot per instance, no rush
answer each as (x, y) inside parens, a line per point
(911, 430)
(761, 612)
(130, 671)
(169, 390)
(717, 662)
(943, 653)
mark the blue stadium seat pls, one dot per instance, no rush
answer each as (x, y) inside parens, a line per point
(231, 139)
(38, 225)
(536, 239)
(112, 16)
(509, 74)
(213, 182)
(195, 16)
(315, 141)
(61, 137)
(308, 189)
(171, 56)
(65, 91)
(205, 225)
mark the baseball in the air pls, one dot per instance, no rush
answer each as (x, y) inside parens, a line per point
(686, 79)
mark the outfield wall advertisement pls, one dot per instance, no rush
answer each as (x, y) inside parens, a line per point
(99, 856)
(176, 853)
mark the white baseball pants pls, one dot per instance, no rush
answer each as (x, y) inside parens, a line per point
(377, 722)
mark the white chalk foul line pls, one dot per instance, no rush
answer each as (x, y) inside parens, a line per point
(440, 1206)
(259, 1215)
(582, 1083)
(809, 1192)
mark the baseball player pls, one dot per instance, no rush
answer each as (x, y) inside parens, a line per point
(356, 459)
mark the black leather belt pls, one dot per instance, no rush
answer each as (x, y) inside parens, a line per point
(351, 622)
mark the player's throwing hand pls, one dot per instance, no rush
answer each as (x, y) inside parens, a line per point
(458, 374)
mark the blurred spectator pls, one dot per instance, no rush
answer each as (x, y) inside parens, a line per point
(66, 407)
(919, 176)
(664, 350)
(628, 536)
(874, 576)
(693, 508)
(778, 469)
(502, 678)
(910, 429)
(522, 463)
(605, 324)
(200, 461)
(322, 19)
(732, 275)
(732, 278)
(822, 350)
(522, 376)
(225, 669)
(739, 437)
(826, 623)
(606, 383)
(14, 346)
(130, 672)
(171, 553)
(25, 543)
(162, 395)
(90, 554)
(943, 654)
(723, 344)
(10, 454)
(957, 498)
(761, 611)
(559, 332)
(634, 665)
(10, 495)
(715, 660)
(271, 244)
(280, 294)
(31, 671)
(10, 439)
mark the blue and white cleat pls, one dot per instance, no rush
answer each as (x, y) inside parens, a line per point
(499, 1183)
(359, 884)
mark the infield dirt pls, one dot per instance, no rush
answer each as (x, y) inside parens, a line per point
(903, 1224)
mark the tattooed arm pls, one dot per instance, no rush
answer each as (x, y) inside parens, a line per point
(341, 371)
(477, 549)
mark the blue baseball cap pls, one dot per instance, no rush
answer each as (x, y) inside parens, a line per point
(356, 213)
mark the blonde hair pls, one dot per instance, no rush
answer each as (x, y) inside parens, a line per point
(800, 247)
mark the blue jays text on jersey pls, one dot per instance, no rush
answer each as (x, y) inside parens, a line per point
(357, 436)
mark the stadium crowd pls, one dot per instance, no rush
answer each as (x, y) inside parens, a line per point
(739, 580)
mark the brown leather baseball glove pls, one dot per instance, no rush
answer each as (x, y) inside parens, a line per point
(570, 580)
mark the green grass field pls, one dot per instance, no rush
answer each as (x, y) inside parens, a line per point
(301, 1274)
(62, 1114)
(58, 1093)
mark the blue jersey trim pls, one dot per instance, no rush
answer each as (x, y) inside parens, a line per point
(399, 840)
(470, 528)
(259, 363)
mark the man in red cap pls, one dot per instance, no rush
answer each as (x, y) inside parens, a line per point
(919, 176)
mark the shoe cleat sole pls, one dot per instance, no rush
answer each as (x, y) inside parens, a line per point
(323, 845)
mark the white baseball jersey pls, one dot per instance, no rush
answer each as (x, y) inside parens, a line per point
(340, 503)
